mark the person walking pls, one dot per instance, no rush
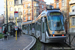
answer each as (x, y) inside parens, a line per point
(18, 31)
(13, 32)
(5, 34)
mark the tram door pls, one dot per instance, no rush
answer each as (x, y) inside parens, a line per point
(25, 29)
(43, 24)
(29, 29)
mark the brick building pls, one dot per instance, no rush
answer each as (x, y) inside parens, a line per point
(31, 9)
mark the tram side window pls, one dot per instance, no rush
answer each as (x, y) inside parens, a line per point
(33, 25)
(30, 26)
(46, 24)
(38, 27)
(23, 27)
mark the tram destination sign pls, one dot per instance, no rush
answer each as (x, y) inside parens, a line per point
(55, 13)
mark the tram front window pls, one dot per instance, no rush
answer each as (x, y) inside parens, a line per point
(56, 23)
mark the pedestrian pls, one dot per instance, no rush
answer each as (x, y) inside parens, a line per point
(5, 34)
(18, 31)
(13, 32)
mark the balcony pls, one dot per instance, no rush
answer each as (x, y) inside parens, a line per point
(36, 14)
(28, 7)
(37, 1)
(18, 2)
(28, 13)
(72, 2)
(71, 13)
(36, 7)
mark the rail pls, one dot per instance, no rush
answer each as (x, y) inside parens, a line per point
(71, 39)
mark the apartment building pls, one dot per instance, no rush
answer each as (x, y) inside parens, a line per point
(31, 9)
(72, 15)
(10, 10)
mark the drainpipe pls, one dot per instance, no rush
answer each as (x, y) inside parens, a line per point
(32, 9)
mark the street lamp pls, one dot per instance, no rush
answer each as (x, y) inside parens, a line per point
(6, 16)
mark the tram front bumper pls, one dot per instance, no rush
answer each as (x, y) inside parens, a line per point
(57, 38)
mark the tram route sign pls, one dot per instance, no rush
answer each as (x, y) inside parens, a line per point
(16, 14)
(16, 27)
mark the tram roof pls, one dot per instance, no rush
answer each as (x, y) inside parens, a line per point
(50, 10)
(28, 22)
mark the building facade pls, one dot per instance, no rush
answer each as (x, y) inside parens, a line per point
(72, 15)
(31, 9)
(57, 4)
(12, 6)
(63, 6)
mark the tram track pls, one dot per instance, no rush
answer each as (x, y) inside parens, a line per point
(51, 46)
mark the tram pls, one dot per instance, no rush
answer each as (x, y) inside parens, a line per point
(48, 26)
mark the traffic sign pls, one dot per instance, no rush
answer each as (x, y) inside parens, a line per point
(16, 14)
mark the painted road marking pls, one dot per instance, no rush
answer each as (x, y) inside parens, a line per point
(29, 44)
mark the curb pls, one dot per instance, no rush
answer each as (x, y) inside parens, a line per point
(31, 44)
(1, 39)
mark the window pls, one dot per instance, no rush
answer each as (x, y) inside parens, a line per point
(24, 18)
(11, 15)
(73, 8)
(57, 0)
(10, 3)
(28, 17)
(15, 9)
(57, 5)
(42, 6)
(62, 2)
(29, 0)
(73, 0)
(28, 11)
(24, 11)
(29, 4)
(24, 5)
(34, 11)
(73, 21)
(72, 30)
(36, 4)
(4, 3)
(19, 9)
(11, 8)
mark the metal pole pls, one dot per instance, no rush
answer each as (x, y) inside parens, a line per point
(16, 30)
(7, 15)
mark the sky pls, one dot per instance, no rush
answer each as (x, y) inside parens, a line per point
(2, 5)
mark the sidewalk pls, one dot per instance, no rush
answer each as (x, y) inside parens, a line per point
(24, 42)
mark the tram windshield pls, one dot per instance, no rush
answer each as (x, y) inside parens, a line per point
(56, 22)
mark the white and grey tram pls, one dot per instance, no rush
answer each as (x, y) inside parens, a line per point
(48, 26)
